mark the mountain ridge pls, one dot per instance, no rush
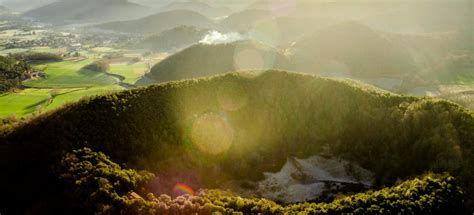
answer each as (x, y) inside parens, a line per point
(172, 125)
(160, 21)
(89, 11)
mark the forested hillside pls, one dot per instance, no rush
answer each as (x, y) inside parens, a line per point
(173, 39)
(236, 126)
(437, 64)
(353, 50)
(208, 59)
(12, 73)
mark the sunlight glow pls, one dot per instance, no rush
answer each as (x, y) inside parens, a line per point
(212, 134)
(232, 97)
(246, 59)
(267, 32)
(282, 7)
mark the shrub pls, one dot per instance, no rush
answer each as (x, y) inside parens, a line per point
(96, 181)
(98, 66)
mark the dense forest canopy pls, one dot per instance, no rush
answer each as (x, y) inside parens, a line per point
(169, 126)
(12, 73)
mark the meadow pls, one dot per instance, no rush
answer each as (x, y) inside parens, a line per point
(66, 82)
(130, 72)
(69, 74)
(32, 100)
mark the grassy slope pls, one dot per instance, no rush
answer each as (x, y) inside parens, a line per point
(131, 72)
(31, 101)
(70, 74)
(74, 95)
(21, 103)
(272, 115)
(68, 81)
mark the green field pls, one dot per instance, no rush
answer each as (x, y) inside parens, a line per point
(5, 52)
(131, 72)
(72, 95)
(69, 74)
(66, 82)
(30, 101)
(48, 50)
(22, 103)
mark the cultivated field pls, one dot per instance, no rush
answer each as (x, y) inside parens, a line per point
(67, 81)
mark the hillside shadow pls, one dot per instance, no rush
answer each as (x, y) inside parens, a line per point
(45, 102)
(88, 72)
(145, 81)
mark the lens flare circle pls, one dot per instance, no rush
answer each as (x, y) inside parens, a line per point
(248, 59)
(183, 189)
(212, 134)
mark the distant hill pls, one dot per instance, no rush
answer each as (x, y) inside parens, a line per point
(244, 21)
(4, 10)
(445, 58)
(24, 5)
(88, 11)
(206, 132)
(391, 16)
(351, 49)
(284, 30)
(173, 39)
(214, 4)
(204, 60)
(423, 16)
(348, 49)
(200, 7)
(160, 22)
(153, 3)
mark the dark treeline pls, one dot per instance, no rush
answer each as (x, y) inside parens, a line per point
(108, 189)
(102, 65)
(36, 57)
(273, 115)
(12, 73)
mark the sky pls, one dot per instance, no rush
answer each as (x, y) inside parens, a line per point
(24, 5)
